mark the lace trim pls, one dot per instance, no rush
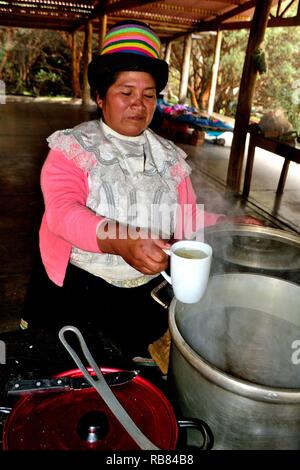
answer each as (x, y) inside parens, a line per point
(85, 159)
(130, 283)
(175, 163)
(72, 150)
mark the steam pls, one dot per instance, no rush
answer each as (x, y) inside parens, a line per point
(246, 323)
(242, 327)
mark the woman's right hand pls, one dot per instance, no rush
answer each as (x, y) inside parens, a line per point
(137, 248)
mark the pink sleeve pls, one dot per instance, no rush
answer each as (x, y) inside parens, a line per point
(192, 218)
(65, 189)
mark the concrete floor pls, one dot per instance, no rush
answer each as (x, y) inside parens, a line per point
(24, 126)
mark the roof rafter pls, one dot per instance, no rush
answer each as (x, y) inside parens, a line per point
(169, 18)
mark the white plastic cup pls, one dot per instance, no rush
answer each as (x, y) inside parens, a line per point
(189, 275)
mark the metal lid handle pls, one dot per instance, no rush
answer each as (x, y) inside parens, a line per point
(104, 390)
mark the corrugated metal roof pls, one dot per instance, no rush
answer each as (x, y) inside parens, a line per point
(170, 18)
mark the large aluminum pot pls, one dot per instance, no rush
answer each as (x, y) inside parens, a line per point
(234, 361)
(252, 248)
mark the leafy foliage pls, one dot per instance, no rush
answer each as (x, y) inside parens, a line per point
(233, 51)
(278, 88)
(35, 62)
(38, 62)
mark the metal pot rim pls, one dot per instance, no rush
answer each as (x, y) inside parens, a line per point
(244, 229)
(222, 379)
(274, 250)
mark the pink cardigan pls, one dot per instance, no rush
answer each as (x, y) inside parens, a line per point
(68, 222)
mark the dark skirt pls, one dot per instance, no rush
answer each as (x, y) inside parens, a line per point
(128, 317)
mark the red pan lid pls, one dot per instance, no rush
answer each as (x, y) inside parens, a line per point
(80, 420)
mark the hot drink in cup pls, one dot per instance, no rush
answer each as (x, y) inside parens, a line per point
(190, 268)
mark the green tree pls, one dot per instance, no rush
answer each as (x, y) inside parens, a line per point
(35, 62)
(230, 70)
(278, 87)
(232, 58)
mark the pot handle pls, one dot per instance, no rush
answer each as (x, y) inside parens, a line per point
(5, 410)
(206, 432)
(100, 385)
(156, 290)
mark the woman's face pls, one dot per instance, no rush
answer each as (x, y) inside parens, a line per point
(130, 102)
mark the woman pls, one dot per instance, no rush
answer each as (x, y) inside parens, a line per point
(113, 190)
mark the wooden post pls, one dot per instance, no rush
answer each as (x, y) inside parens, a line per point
(102, 30)
(185, 68)
(214, 76)
(87, 57)
(257, 31)
(168, 52)
(75, 68)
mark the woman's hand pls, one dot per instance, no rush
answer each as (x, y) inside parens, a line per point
(240, 219)
(137, 248)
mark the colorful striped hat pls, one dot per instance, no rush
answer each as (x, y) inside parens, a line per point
(129, 45)
(133, 38)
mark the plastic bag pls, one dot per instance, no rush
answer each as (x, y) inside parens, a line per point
(275, 123)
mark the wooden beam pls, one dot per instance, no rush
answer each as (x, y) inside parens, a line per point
(185, 68)
(287, 8)
(284, 22)
(272, 23)
(232, 13)
(214, 76)
(166, 34)
(102, 30)
(278, 7)
(75, 68)
(67, 16)
(216, 23)
(87, 57)
(34, 24)
(256, 36)
(168, 51)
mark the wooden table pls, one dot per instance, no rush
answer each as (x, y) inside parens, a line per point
(287, 150)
